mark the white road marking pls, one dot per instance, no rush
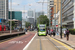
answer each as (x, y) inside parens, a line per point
(15, 42)
(29, 43)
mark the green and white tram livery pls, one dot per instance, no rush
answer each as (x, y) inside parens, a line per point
(42, 29)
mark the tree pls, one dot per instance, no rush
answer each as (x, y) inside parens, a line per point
(13, 24)
(43, 20)
(27, 24)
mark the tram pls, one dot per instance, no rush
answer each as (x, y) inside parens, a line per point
(42, 29)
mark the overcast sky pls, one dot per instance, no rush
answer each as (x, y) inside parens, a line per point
(19, 5)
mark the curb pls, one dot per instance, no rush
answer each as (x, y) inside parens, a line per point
(65, 43)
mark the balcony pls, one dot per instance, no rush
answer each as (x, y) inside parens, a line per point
(66, 22)
(68, 8)
(66, 3)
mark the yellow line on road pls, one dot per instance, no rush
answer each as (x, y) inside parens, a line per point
(69, 48)
(10, 39)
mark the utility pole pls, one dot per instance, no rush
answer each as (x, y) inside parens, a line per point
(11, 17)
(61, 21)
(55, 17)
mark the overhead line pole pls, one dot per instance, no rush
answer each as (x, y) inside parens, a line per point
(11, 17)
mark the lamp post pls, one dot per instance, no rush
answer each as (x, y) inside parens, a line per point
(55, 16)
(10, 16)
(61, 21)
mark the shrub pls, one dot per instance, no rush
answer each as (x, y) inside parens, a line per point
(72, 31)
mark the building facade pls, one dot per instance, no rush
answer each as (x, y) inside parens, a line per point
(37, 14)
(30, 13)
(68, 14)
(16, 15)
(57, 14)
(4, 9)
(50, 12)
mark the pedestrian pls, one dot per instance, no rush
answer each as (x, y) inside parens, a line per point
(53, 32)
(64, 33)
(57, 32)
(48, 31)
(67, 34)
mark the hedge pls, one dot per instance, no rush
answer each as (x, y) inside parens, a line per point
(72, 31)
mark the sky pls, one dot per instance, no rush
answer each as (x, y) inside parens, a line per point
(24, 5)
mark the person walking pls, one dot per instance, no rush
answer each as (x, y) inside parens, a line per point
(64, 33)
(57, 32)
(48, 31)
(53, 32)
(67, 34)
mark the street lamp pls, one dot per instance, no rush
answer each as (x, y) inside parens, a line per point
(10, 16)
(61, 21)
(55, 16)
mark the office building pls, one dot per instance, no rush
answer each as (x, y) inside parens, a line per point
(16, 15)
(4, 9)
(37, 14)
(68, 14)
(50, 11)
(30, 13)
(57, 14)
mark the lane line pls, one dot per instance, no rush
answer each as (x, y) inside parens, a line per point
(69, 48)
(25, 48)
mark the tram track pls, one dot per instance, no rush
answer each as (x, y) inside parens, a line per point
(41, 47)
(52, 43)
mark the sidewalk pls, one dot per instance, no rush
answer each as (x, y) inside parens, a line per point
(71, 41)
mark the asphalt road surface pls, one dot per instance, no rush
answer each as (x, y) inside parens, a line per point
(38, 43)
(45, 43)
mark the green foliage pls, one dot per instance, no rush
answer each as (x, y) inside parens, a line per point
(27, 24)
(43, 20)
(13, 24)
(72, 31)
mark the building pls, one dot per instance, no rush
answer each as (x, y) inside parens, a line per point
(16, 15)
(30, 13)
(18, 23)
(57, 14)
(4, 9)
(31, 20)
(17, 18)
(37, 14)
(50, 11)
(68, 14)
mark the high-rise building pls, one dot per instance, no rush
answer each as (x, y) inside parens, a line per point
(30, 13)
(4, 9)
(16, 15)
(37, 14)
(68, 14)
(57, 13)
(50, 11)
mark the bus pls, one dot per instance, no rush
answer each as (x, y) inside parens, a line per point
(42, 29)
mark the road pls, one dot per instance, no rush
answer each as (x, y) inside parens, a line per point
(38, 43)
(17, 43)
(46, 43)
